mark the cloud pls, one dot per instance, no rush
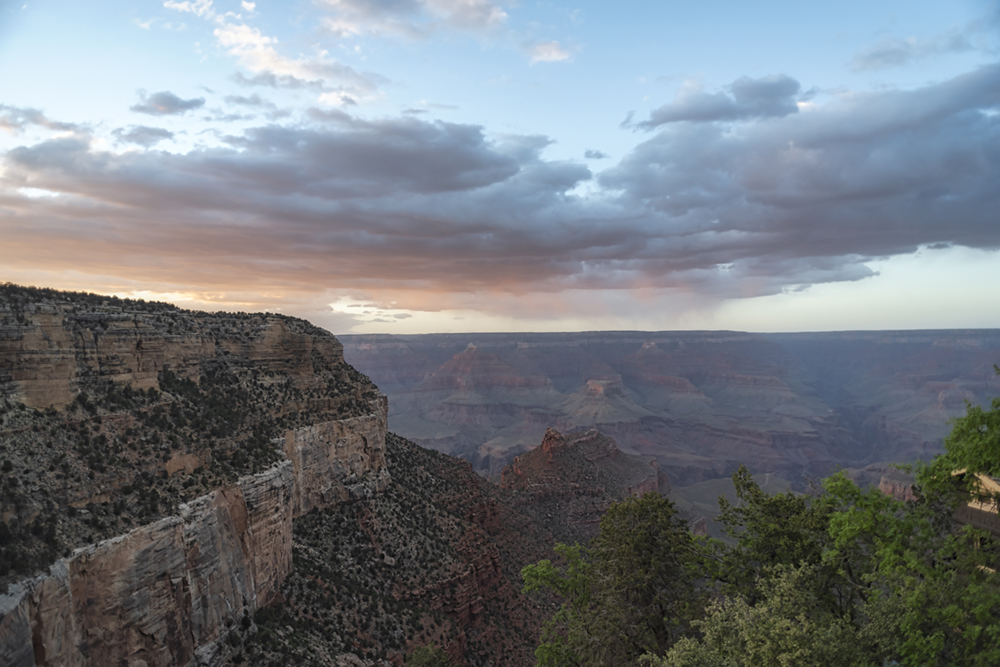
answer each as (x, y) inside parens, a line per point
(356, 202)
(271, 80)
(895, 52)
(415, 19)
(166, 103)
(468, 14)
(548, 52)
(256, 102)
(595, 155)
(258, 53)
(811, 197)
(767, 97)
(433, 215)
(16, 119)
(200, 8)
(252, 101)
(143, 135)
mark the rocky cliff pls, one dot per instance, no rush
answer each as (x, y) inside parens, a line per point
(133, 422)
(436, 557)
(576, 478)
(182, 488)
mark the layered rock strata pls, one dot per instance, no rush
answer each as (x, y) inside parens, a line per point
(700, 402)
(165, 593)
(102, 403)
(573, 479)
(332, 460)
(162, 594)
(589, 462)
(50, 348)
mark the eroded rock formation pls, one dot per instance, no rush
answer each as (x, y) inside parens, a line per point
(335, 461)
(700, 402)
(576, 478)
(147, 395)
(165, 593)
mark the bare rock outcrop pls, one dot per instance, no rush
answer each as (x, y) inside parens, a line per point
(48, 347)
(588, 461)
(571, 480)
(333, 459)
(898, 485)
(164, 594)
(102, 398)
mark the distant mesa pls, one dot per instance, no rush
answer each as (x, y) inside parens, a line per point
(584, 463)
(699, 402)
(569, 481)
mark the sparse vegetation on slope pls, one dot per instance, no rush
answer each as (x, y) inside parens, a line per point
(434, 559)
(134, 442)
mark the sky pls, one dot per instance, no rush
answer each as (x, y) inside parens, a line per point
(418, 166)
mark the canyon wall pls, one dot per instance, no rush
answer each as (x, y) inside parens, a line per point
(164, 594)
(700, 402)
(49, 349)
(335, 461)
(241, 422)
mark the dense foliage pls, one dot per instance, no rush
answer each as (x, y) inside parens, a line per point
(633, 591)
(837, 577)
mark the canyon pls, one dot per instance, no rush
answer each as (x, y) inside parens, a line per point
(792, 406)
(185, 488)
(309, 430)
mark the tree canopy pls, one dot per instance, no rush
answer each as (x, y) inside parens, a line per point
(634, 590)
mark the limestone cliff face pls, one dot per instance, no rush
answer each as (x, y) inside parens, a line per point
(165, 593)
(52, 347)
(332, 460)
(148, 395)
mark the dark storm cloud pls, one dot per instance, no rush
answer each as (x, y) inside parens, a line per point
(866, 176)
(165, 103)
(371, 158)
(358, 159)
(769, 96)
(143, 135)
(427, 207)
